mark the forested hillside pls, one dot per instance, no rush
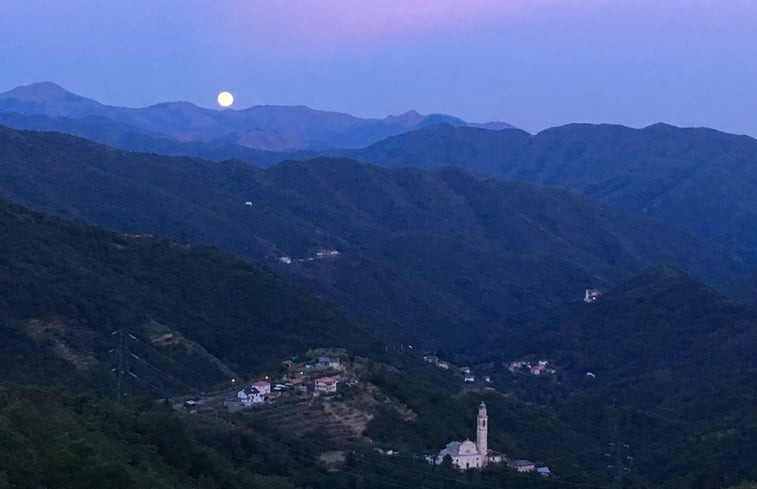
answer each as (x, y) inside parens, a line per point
(198, 314)
(700, 180)
(443, 251)
(664, 358)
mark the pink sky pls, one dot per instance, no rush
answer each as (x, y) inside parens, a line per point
(534, 63)
(318, 25)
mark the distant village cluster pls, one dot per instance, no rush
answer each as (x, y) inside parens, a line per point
(321, 375)
(321, 254)
(540, 367)
(309, 378)
(465, 372)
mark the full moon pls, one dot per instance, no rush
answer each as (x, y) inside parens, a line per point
(225, 99)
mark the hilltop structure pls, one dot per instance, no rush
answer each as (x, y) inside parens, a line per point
(469, 455)
(591, 295)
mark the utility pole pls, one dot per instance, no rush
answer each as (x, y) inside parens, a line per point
(121, 352)
(619, 458)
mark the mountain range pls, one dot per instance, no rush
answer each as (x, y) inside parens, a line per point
(187, 128)
(481, 269)
(699, 180)
(416, 251)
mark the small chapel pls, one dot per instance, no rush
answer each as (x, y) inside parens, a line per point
(469, 455)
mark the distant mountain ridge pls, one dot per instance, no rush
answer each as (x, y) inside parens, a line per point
(264, 127)
(700, 180)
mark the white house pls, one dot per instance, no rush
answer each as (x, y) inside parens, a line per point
(325, 385)
(470, 455)
(324, 253)
(250, 396)
(591, 295)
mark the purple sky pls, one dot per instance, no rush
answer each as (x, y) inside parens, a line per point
(534, 63)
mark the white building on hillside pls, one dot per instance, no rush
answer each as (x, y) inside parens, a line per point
(250, 396)
(591, 295)
(470, 455)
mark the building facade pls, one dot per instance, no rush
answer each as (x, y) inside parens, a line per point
(470, 455)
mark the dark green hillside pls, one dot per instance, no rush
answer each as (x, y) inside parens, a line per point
(66, 288)
(701, 180)
(674, 358)
(661, 326)
(443, 251)
(50, 438)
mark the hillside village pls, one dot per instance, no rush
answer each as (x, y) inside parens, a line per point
(309, 391)
(312, 378)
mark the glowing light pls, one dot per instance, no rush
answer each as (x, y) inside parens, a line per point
(225, 99)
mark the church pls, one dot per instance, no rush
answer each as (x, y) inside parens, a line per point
(469, 455)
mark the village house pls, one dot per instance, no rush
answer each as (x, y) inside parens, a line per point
(469, 455)
(299, 384)
(523, 465)
(329, 362)
(250, 396)
(324, 253)
(325, 385)
(469, 379)
(263, 386)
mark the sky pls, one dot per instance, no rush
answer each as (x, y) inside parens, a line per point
(533, 63)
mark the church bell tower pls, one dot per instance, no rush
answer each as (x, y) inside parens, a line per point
(482, 431)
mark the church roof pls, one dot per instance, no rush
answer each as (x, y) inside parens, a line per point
(453, 448)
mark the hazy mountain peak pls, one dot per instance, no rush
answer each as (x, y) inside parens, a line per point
(47, 98)
(410, 118)
(269, 127)
(38, 92)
